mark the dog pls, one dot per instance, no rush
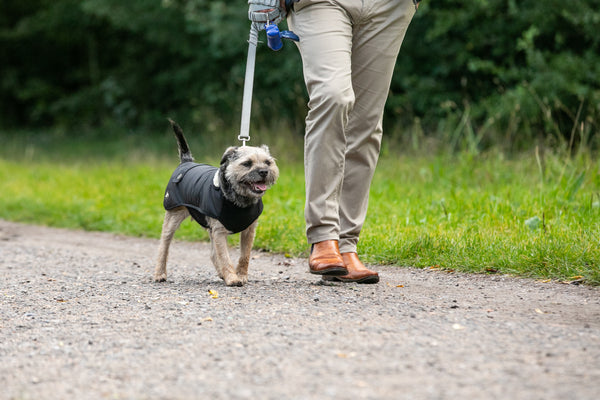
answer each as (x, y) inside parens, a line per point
(224, 200)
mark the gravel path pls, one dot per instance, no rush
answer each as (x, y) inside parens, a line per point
(81, 319)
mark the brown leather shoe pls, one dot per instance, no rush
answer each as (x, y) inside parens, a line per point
(357, 272)
(325, 259)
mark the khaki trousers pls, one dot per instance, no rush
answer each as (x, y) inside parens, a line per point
(349, 49)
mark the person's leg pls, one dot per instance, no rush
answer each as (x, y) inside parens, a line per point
(325, 32)
(376, 44)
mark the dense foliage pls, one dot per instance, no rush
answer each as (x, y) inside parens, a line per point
(497, 70)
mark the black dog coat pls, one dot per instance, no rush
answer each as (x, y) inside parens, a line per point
(191, 186)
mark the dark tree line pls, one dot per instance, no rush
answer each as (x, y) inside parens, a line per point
(511, 69)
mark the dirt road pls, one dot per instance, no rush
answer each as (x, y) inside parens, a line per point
(81, 319)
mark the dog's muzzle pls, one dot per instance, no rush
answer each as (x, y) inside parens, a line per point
(260, 185)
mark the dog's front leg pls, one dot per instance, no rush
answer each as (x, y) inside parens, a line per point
(220, 255)
(173, 220)
(246, 241)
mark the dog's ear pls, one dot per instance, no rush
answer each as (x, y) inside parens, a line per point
(265, 148)
(229, 154)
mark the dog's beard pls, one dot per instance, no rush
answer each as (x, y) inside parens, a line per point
(249, 189)
(259, 181)
(244, 193)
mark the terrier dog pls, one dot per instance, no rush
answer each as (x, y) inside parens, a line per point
(224, 200)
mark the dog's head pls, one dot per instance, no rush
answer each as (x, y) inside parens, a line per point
(246, 173)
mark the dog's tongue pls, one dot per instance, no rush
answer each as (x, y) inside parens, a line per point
(260, 186)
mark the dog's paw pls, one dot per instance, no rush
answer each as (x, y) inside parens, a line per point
(233, 280)
(160, 278)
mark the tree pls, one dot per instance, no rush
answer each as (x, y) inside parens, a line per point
(509, 70)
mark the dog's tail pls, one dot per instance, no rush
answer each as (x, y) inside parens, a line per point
(185, 155)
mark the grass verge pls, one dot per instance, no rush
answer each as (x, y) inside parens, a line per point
(530, 215)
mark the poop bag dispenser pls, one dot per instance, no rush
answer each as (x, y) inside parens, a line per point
(274, 36)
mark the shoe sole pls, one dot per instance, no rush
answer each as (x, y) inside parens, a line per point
(367, 279)
(334, 271)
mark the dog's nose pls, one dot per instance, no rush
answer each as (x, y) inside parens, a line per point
(263, 172)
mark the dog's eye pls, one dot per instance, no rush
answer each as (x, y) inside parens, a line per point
(268, 163)
(247, 164)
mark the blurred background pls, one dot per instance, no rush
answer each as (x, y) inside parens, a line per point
(481, 73)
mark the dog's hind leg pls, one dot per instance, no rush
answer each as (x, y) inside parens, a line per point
(219, 254)
(246, 241)
(173, 219)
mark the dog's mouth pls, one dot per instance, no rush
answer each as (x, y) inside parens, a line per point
(258, 187)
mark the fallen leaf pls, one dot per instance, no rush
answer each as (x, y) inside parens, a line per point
(575, 280)
(399, 285)
(214, 294)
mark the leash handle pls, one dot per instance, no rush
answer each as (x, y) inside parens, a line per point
(248, 85)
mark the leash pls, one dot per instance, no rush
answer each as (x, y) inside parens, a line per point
(248, 86)
(274, 37)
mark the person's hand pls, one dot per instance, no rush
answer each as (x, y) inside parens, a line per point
(262, 11)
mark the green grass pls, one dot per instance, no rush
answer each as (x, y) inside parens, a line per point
(529, 215)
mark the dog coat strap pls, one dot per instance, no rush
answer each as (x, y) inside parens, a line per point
(237, 219)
